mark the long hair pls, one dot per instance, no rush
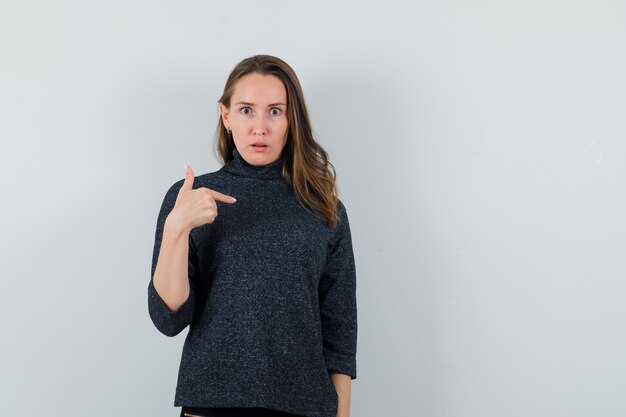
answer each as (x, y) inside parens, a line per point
(305, 163)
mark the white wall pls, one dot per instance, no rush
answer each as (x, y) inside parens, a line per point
(481, 154)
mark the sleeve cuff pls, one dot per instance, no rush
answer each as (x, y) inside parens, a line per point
(345, 364)
(170, 323)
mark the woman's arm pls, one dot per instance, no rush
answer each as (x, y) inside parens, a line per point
(338, 312)
(343, 386)
(174, 257)
(170, 290)
(171, 279)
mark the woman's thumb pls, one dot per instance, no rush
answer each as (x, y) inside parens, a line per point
(189, 177)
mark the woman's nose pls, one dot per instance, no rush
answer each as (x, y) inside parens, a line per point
(260, 126)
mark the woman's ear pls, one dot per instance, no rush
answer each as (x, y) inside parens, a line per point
(224, 114)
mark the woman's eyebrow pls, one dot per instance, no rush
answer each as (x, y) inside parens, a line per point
(252, 104)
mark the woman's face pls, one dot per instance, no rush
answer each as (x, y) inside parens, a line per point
(258, 115)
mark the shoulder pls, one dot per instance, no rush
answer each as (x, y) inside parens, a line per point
(341, 207)
(340, 241)
(342, 211)
(343, 225)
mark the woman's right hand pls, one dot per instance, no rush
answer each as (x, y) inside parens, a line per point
(195, 207)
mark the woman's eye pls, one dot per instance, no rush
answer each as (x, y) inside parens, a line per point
(245, 108)
(277, 111)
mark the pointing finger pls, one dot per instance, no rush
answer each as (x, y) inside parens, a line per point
(222, 197)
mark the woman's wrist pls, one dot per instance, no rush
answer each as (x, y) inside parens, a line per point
(174, 226)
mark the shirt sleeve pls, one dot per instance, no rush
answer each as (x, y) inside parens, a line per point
(337, 297)
(170, 323)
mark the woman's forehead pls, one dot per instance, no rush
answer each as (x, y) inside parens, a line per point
(260, 90)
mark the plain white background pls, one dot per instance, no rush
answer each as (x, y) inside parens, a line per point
(481, 155)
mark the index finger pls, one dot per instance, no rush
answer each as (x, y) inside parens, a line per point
(222, 197)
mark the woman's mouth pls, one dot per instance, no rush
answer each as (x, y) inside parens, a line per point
(259, 147)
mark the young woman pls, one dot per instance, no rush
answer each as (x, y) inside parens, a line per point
(256, 258)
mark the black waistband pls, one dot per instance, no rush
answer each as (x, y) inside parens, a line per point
(235, 412)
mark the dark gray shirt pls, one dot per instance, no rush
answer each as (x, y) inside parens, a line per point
(272, 303)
